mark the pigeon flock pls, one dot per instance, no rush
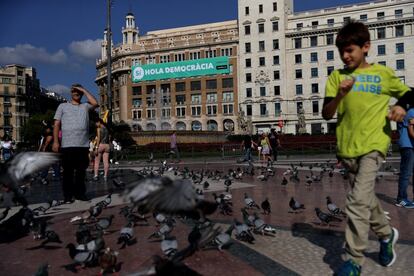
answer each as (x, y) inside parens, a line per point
(162, 197)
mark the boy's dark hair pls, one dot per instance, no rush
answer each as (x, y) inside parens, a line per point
(353, 32)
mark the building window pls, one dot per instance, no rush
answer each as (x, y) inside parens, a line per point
(211, 97)
(227, 52)
(330, 39)
(276, 60)
(195, 55)
(363, 17)
(314, 72)
(195, 85)
(298, 58)
(211, 53)
(179, 57)
(164, 58)
(276, 75)
(248, 77)
(298, 43)
(196, 110)
(329, 55)
(196, 99)
(249, 110)
(248, 62)
(248, 92)
(331, 22)
(299, 89)
(227, 83)
(275, 26)
(298, 73)
(137, 90)
(276, 90)
(274, 6)
(315, 24)
(347, 19)
(315, 107)
(247, 29)
(211, 84)
(166, 113)
(151, 113)
(398, 13)
(380, 15)
(261, 46)
(260, 27)
(262, 91)
(260, 8)
(246, 10)
(382, 63)
(299, 106)
(313, 41)
(212, 110)
(278, 109)
(381, 33)
(263, 109)
(315, 88)
(399, 48)
(299, 26)
(399, 30)
(275, 44)
(330, 69)
(262, 61)
(180, 99)
(400, 64)
(228, 109)
(381, 50)
(314, 57)
(179, 86)
(248, 47)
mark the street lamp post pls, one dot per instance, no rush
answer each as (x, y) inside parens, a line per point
(108, 66)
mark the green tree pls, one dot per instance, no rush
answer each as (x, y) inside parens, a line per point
(33, 128)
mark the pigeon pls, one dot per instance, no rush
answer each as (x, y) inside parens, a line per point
(206, 185)
(51, 236)
(43, 270)
(243, 232)
(169, 246)
(83, 234)
(107, 261)
(266, 206)
(295, 205)
(21, 166)
(126, 236)
(84, 258)
(333, 209)
(104, 223)
(118, 183)
(326, 218)
(224, 238)
(250, 202)
(284, 181)
(104, 203)
(4, 214)
(93, 245)
(150, 157)
(261, 227)
(162, 231)
(169, 196)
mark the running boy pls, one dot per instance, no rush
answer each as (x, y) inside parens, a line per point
(360, 95)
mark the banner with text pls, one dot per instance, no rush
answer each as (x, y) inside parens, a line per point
(181, 69)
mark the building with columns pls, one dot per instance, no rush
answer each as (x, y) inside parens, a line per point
(279, 61)
(204, 101)
(286, 57)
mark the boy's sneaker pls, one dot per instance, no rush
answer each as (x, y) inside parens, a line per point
(95, 178)
(405, 203)
(387, 255)
(349, 268)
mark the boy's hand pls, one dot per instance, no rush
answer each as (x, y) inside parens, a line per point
(411, 121)
(397, 113)
(345, 86)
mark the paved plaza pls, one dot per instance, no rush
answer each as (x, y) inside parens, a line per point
(301, 245)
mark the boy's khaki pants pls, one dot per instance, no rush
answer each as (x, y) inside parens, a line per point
(362, 206)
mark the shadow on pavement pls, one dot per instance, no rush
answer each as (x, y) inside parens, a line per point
(331, 241)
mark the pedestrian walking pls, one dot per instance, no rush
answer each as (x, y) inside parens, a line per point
(274, 143)
(102, 149)
(247, 146)
(406, 143)
(7, 148)
(360, 95)
(72, 118)
(174, 147)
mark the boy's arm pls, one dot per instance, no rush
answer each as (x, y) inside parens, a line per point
(56, 129)
(91, 99)
(411, 128)
(330, 104)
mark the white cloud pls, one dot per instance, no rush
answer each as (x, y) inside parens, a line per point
(28, 54)
(61, 89)
(86, 49)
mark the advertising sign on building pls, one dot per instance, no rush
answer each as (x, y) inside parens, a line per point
(181, 69)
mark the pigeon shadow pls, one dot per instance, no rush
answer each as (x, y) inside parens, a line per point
(47, 247)
(331, 241)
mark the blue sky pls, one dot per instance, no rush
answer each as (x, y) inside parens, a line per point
(61, 38)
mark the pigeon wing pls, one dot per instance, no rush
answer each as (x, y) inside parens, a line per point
(27, 163)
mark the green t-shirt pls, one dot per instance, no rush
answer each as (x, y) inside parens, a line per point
(362, 124)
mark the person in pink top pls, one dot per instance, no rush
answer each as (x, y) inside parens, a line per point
(173, 146)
